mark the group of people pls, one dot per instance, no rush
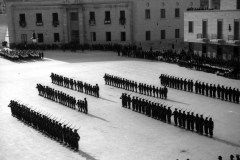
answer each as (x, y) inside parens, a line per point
(212, 90)
(47, 125)
(231, 157)
(21, 54)
(75, 85)
(182, 118)
(130, 85)
(62, 98)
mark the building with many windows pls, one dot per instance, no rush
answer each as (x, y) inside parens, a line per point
(156, 23)
(214, 33)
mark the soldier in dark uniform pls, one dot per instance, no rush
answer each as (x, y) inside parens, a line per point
(206, 125)
(226, 93)
(192, 120)
(197, 123)
(214, 91)
(201, 123)
(222, 92)
(76, 139)
(219, 91)
(230, 94)
(150, 90)
(153, 90)
(169, 114)
(129, 102)
(183, 119)
(188, 118)
(165, 92)
(207, 89)
(179, 118)
(156, 91)
(211, 126)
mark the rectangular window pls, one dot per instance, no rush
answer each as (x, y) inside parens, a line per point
(22, 17)
(163, 14)
(39, 17)
(24, 38)
(75, 36)
(177, 12)
(74, 16)
(163, 34)
(108, 36)
(148, 35)
(93, 36)
(219, 29)
(238, 4)
(107, 16)
(122, 14)
(123, 36)
(147, 14)
(236, 28)
(204, 29)
(56, 37)
(190, 26)
(177, 33)
(55, 17)
(92, 16)
(40, 38)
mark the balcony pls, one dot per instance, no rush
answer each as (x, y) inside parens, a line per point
(203, 37)
(23, 24)
(107, 21)
(39, 23)
(233, 40)
(122, 21)
(92, 22)
(217, 38)
(55, 23)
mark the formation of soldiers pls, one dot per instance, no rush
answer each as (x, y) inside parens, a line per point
(75, 85)
(149, 90)
(21, 54)
(211, 90)
(231, 157)
(43, 122)
(182, 118)
(63, 98)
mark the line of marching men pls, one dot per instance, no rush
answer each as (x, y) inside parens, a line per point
(75, 85)
(62, 98)
(188, 120)
(211, 90)
(42, 122)
(149, 90)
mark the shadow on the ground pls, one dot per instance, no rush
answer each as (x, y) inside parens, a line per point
(91, 115)
(226, 142)
(86, 155)
(107, 99)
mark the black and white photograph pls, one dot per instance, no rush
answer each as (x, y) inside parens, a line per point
(119, 79)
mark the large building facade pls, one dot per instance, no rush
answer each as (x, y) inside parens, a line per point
(156, 23)
(214, 33)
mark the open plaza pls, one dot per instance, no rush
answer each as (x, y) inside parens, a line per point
(110, 131)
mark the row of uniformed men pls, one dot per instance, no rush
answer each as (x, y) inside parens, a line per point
(220, 92)
(75, 84)
(62, 98)
(51, 127)
(21, 54)
(161, 112)
(149, 90)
